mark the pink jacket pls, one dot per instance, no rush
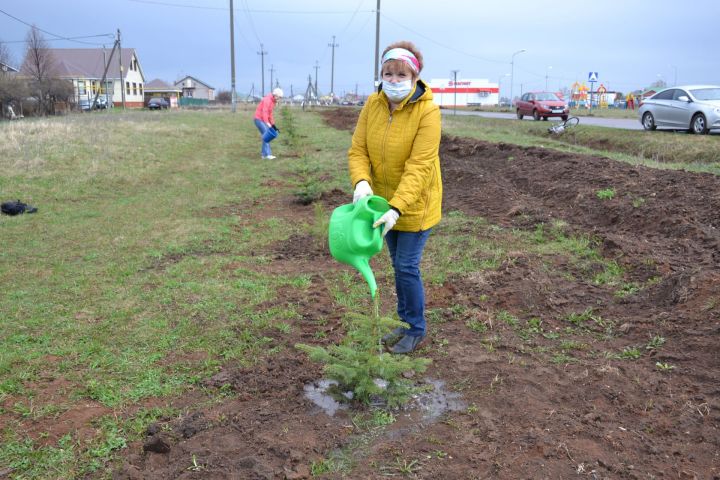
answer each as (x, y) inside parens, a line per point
(264, 111)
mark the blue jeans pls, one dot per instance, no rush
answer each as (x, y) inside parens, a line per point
(265, 151)
(405, 252)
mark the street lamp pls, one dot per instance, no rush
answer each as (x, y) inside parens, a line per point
(675, 78)
(455, 72)
(499, 85)
(512, 73)
(660, 82)
(546, 77)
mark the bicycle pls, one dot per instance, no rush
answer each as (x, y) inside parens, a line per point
(562, 126)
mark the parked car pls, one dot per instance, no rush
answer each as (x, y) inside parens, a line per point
(101, 103)
(85, 103)
(541, 105)
(157, 103)
(695, 108)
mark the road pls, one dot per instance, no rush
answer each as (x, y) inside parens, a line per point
(626, 123)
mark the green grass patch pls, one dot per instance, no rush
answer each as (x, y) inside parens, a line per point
(136, 278)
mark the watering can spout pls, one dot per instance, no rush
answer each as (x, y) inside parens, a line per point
(362, 266)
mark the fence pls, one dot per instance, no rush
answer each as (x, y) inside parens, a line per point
(187, 101)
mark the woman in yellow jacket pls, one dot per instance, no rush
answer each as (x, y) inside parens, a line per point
(394, 154)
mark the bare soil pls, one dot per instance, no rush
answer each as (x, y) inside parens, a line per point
(527, 416)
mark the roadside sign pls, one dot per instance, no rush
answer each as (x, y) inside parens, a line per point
(593, 77)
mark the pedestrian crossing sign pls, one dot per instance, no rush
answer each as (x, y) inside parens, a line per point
(593, 77)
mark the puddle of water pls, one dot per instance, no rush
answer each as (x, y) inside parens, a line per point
(424, 407)
(438, 401)
(316, 392)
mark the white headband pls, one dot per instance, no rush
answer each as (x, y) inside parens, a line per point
(403, 55)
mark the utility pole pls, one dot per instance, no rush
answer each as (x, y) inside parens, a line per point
(232, 59)
(104, 80)
(455, 72)
(122, 76)
(262, 54)
(376, 79)
(106, 65)
(332, 67)
(272, 69)
(317, 65)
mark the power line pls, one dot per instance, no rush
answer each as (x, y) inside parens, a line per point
(202, 7)
(441, 44)
(60, 37)
(63, 39)
(167, 4)
(252, 25)
(352, 17)
(362, 29)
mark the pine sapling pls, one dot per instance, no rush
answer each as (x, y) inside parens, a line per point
(360, 365)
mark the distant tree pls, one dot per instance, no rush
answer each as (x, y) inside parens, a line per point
(224, 96)
(4, 55)
(40, 68)
(659, 83)
(12, 89)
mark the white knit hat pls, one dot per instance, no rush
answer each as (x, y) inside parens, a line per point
(278, 92)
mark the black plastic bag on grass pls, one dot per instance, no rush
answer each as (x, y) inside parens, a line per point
(16, 208)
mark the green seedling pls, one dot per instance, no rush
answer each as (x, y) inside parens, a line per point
(506, 317)
(321, 467)
(664, 367)
(579, 319)
(655, 343)
(630, 353)
(195, 466)
(606, 194)
(476, 325)
(627, 289)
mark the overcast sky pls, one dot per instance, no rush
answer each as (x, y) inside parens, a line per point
(630, 43)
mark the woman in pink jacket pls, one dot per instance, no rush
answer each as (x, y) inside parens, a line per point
(264, 119)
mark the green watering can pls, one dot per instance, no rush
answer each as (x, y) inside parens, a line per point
(352, 238)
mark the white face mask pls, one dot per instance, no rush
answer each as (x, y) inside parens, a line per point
(396, 92)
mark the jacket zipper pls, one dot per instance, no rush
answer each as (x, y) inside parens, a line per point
(387, 128)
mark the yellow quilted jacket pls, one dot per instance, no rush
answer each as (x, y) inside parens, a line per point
(398, 155)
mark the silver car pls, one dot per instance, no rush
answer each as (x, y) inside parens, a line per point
(693, 107)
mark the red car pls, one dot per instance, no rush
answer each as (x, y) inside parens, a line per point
(541, 105)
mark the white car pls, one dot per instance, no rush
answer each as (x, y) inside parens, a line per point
(693, 107)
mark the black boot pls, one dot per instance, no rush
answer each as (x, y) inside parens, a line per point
(407, 344)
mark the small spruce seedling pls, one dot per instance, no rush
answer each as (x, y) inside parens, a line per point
(357, 364)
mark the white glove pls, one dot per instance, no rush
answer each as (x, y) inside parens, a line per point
(389, 218)
(362, 190)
